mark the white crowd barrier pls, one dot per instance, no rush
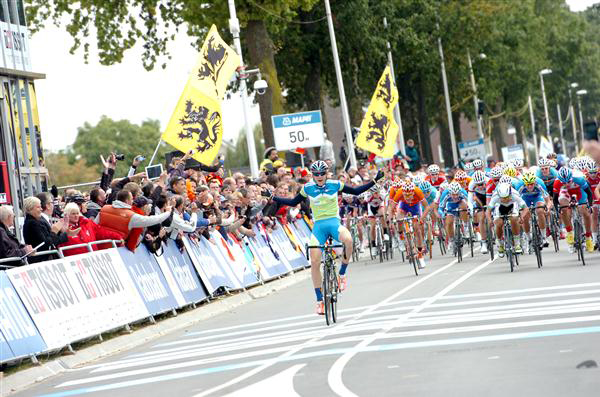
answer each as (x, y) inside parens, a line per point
(50, 305)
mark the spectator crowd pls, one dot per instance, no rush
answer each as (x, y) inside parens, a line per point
(134, 210)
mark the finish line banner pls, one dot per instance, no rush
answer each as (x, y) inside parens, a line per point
(77, 297)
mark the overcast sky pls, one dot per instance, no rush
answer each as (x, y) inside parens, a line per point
(74, 92)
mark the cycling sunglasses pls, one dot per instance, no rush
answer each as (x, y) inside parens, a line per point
(319, 173)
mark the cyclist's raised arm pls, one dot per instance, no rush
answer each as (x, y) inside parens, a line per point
(363, 188)
(291, 202)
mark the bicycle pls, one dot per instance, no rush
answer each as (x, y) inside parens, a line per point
(428, 235)
(379, 249)
(355, 239)
(442, 236)
(459, 238)
(536, 236)
(409, 242)
(578, 230)
(330, 286)
(512, 256)
(555, 228)
(489, 233)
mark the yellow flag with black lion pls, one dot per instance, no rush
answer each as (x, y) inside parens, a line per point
(378, 130)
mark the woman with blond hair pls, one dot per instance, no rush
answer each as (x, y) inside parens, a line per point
(89, 231)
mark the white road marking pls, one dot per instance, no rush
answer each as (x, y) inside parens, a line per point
(335, 372)
(333, 330)
(281, 383)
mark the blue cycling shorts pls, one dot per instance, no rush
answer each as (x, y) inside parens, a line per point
(531, 200)
(324, 228)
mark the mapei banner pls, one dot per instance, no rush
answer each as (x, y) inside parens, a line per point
(149, 280)
(212, 273)
(80, 296)
(18, 331)
(180, 275)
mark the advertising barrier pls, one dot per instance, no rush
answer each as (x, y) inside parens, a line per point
(148, 280)
(180, 275)
(48, 305)
(18, 331)
(208, 266)
(80, 296)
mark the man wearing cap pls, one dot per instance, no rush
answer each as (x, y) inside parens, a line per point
(271, 156)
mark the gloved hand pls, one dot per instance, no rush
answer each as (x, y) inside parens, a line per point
(380, 174)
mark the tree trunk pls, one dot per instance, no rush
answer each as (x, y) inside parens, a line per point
(424, 138)
(497, 135)
(261, 54)
(445, 137)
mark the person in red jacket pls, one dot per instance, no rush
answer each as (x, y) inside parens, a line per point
(90, 231)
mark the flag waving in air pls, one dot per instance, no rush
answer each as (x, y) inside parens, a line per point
(378, 130)
(196, 122)
(216, 63)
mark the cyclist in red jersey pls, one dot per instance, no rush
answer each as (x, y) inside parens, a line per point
(435, 177)
(593, 178)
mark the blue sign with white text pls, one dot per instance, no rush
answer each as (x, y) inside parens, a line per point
(148, 279)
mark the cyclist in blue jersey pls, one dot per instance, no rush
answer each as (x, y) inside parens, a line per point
(477, 200)
(534, 193)
(547, 174)
(323, 196)
(451, 200)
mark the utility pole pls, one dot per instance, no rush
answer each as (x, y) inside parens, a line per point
(234, 28)
(447, 98)
(340, 83)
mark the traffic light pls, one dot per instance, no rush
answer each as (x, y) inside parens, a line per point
(480, 107)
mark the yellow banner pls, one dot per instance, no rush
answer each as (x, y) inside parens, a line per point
(216, 63)
(378, 130)
(196, 124)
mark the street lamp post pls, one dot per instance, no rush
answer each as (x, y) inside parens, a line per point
(397, 108)
(475, 99)
(234, 28)
(579, 94)
(532, 118)
(542, 73)
(560, 127)
(572, 115)
(340, 83)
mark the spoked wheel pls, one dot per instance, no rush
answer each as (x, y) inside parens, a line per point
(326, 298)
(412, 256)
(334, 288)
(537, 243)
(555, 231)
(471, 238)
(390, 247)
(511, 257)
(579, 242)
(379, 243)
(372, 251)
(489, 240)
(458, 240)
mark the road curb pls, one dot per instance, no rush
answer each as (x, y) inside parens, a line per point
(21, 380)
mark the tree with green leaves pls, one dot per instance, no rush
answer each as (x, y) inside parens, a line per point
(119, 25)
(121, 137)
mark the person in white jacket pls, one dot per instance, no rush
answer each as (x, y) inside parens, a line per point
(179, 224)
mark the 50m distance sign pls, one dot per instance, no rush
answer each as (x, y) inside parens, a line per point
(298, 130)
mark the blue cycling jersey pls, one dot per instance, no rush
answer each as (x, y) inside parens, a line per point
(547, 179)
(433, 195)
(539, 189)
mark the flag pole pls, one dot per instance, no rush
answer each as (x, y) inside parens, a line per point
(155, 151)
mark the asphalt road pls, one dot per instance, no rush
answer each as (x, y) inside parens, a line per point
(458, 329)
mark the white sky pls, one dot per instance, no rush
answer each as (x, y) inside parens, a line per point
(74, 92)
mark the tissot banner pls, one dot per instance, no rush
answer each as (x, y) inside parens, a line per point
(79, 296)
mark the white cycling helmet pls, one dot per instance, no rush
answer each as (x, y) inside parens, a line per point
(503, 190)
(418, 179)
(505, 179)
(478, 177)
(454, 188)
(543, 162)
(469, 166)
(477, 163)
(443, 186)
(496, 172)
(433, 169)
(517, 163)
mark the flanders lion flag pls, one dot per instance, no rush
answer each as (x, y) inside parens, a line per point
(196, 125)
(378, 130)
(216, 63)
(196, 122)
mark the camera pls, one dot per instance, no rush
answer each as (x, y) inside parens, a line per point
(260, 86)
(120, 157)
